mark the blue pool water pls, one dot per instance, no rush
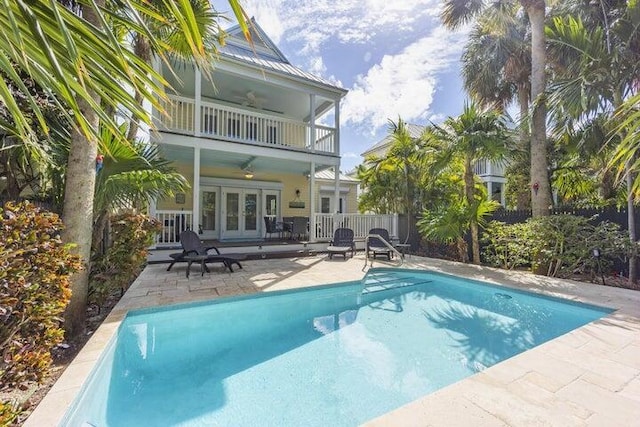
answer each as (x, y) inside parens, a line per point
(334, 355)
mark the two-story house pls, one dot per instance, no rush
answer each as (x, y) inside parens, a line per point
(258, 137)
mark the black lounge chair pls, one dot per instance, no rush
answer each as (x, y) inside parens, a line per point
(342, 243)
(194, 251)
(376, 246)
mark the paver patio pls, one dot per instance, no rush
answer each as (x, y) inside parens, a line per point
(588, 377)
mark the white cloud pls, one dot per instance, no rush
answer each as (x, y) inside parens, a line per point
(402, 84)
(267, 14)
(351, 21)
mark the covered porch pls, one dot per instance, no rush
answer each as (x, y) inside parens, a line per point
(234, 189)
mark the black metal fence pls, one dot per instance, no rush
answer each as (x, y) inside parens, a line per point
(611, 214)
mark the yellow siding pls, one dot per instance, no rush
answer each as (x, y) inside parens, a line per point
(290, 182)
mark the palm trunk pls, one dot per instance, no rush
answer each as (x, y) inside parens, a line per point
(143, 51)
(77, 211)
(523, 198)
(540, 186)
(473, 223)
(631, 223)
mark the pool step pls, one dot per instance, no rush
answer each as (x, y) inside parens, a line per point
(370, 289)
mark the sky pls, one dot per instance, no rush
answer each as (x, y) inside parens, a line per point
(393, 56)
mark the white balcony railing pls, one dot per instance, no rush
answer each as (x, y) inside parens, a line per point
(487, 167)
(236, 124)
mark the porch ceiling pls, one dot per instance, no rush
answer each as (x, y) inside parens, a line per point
(239, 161)
(258, 95)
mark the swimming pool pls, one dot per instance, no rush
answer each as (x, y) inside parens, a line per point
(332, 355)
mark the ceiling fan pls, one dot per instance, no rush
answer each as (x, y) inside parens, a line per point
(251, 99)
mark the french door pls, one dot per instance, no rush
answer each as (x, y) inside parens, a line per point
(240, 213)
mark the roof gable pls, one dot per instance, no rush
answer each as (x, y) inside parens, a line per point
(414, 132)
(261, 45)
(263, 53)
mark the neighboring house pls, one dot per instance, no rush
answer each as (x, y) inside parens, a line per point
(348, 200)
(491, 173)
(250, 144)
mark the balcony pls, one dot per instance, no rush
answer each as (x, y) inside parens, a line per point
(488, 168)
(235, 124)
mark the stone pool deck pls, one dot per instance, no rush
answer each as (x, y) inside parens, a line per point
(588, 377)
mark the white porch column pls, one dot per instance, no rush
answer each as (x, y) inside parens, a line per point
(196, 189)
(503, 195)
(336, 148)
(198, 104)
(336, 189)
(336, 139)
(489, 190)
(312, 202)
(312, 122)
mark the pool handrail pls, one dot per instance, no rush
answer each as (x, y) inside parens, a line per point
(387, 244)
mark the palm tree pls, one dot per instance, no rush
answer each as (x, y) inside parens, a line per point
(496, 65)
(89, 73)
(174, 43)
(458, 12)
(450, 219)
(474, 135)
(597, 69)
(131, 175)
(380, 187)
(397, 173)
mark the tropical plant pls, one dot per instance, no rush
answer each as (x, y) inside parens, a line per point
(473, 136)
(496, 66)
(133, 233)
(506, 246)
(34, 290)
(130, 176)
(448, 222)
(562, 244)
(90, 73)
(596, 69)
(458, 12)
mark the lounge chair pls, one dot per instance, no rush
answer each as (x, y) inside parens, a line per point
(375, 246)
(193, 250)
(342, 243)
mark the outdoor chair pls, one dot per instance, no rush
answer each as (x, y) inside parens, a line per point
(273, 227)
(193, 250)
(342, 243)
(375, 246)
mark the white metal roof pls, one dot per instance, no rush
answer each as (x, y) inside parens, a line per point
(414, 131)
(265, 54)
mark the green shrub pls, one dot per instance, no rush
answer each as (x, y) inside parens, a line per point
(8, 413)
(557, 245)
(505, 246)
(131, 236)
(34, 290)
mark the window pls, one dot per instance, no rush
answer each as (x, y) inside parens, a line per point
(325, 205)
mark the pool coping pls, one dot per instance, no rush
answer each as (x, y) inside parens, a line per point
(588, 376)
